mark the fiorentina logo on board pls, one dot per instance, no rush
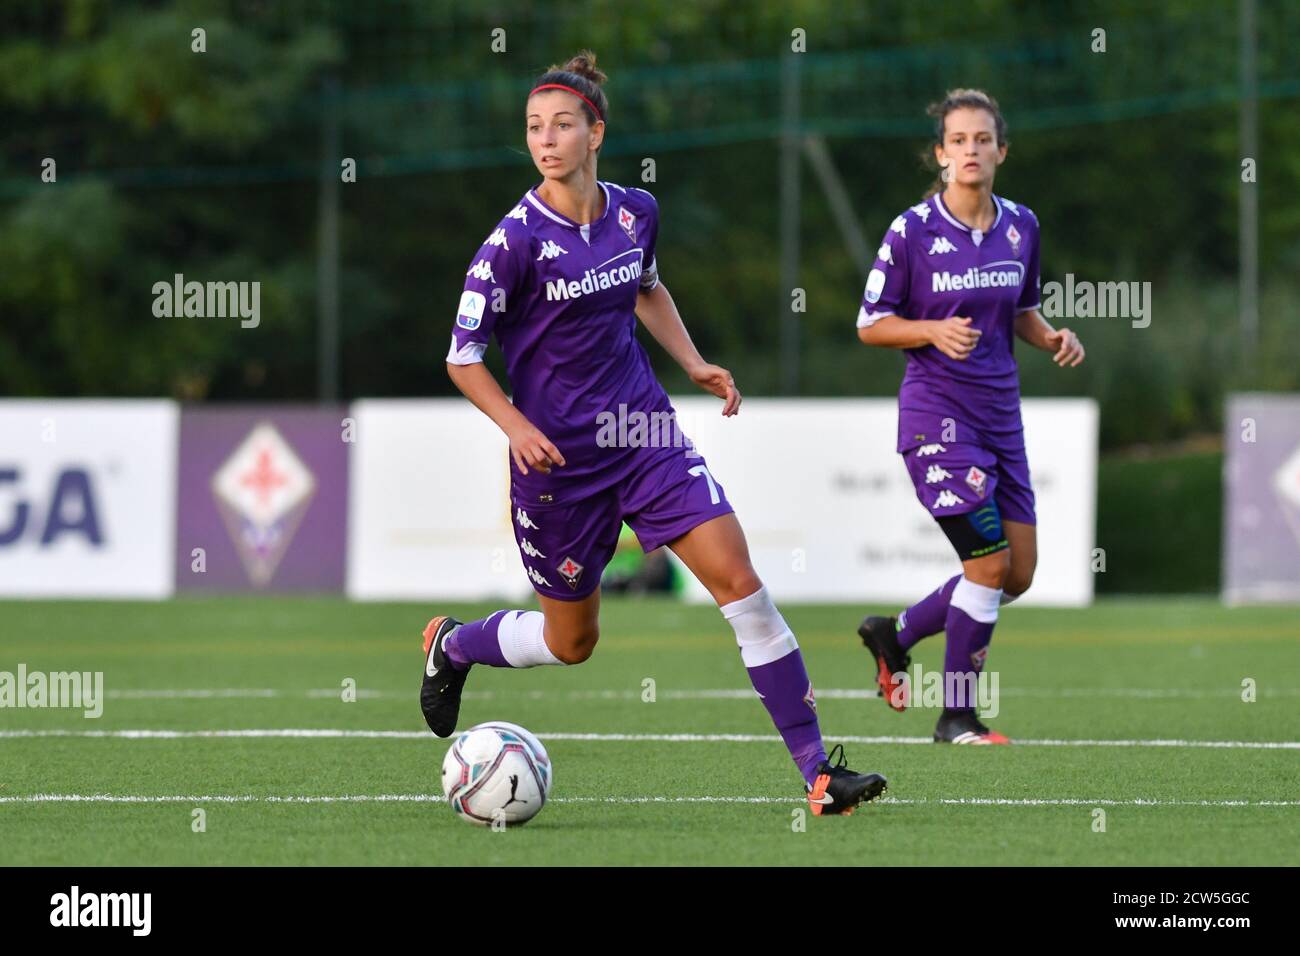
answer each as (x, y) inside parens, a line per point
(262, 492)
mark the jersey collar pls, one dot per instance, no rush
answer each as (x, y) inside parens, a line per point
(583, 228)
(976, 236)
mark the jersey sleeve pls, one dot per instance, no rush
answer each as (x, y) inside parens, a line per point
(886, 289)
(649, 267)
(496, 275)
(1031, 288)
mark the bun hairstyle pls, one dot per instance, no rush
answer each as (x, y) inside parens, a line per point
(580, 73)
(939, 110)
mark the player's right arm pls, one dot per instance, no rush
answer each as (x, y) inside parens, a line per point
(528, 446)
(886, 294)
(494, 281)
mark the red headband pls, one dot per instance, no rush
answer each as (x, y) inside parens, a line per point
(569, 89)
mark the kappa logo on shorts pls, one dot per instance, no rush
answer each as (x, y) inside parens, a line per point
(537, 578)
(530, 549)
(521, 516)
(571, 571)
(926, 450)
(937, 473)
(947, 499)
(976, 480)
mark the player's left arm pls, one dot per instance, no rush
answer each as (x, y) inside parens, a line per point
(1037, 331)
(658, 313)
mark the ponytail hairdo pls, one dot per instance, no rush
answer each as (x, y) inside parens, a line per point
(939, 110)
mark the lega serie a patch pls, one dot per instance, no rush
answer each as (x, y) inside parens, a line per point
(571, 571)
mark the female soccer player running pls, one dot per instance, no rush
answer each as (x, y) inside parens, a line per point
(561, 281)
(955, 278)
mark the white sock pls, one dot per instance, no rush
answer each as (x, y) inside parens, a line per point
(979, 602)
(760, 629)
(519, 634)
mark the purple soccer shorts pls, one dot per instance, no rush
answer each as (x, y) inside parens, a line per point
(565, 547)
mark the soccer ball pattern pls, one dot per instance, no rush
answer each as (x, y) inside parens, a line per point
(496, 771)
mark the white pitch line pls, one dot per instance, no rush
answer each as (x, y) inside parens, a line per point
(722, 693)
(436, 798)
(333, 733)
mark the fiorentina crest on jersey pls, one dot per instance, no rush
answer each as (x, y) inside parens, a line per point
(571, 571)
(628, 222)
(263, 491)
(1013, 237)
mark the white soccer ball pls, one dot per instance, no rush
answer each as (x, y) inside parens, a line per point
(496, 771)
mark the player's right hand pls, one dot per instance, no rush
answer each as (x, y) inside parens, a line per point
(528, 446)
(954, 337)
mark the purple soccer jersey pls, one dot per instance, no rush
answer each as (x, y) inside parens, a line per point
(561, 299)
(930, 266)
(959, 424)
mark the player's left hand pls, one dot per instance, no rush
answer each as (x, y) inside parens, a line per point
(1068, 348)
(718, 381)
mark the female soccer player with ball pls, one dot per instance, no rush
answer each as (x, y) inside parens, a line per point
(955, 280)
(561, 281)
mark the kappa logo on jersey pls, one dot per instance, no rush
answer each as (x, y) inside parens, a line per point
(520, 212)
(1009, 205)
(947, 499)
(875, 285)
(482, 270)
(537, 577)
(922, 209)
(941, 245)
(1013, 236)
(470, 314)
(927, 450)
(899, 225)
(936, 473)
(628, 222)
(521, 516)
(530, 549)
(976, 479)
(571, 571)
(498, 238)
(885, 254)
(550, 250)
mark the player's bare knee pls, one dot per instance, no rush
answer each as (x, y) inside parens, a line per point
(1018, 582)
(738, 585)
(992, 571)
(578, 644)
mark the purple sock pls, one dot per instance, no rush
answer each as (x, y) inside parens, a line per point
(926, 616)
(968, 642)
(787, 694)
(476, 643)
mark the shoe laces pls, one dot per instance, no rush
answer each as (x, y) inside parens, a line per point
(840, 763)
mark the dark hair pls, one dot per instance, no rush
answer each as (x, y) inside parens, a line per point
(581, 74)
(939, 110)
